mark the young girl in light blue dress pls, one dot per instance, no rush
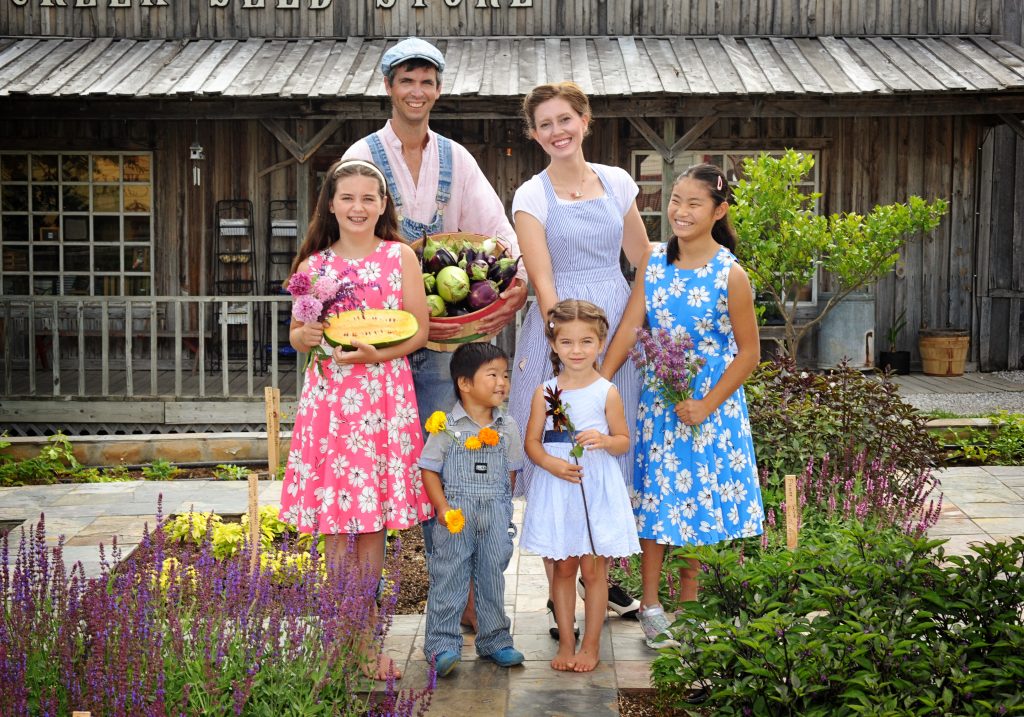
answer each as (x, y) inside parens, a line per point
(695, 480)
(578, 512)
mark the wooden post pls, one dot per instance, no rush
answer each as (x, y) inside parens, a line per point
(792, 512)
(272, 399)
(79, 713)
(254, 523)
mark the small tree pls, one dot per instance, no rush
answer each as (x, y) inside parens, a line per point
(783, 242)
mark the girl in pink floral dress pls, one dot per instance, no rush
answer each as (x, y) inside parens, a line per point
(352, 468)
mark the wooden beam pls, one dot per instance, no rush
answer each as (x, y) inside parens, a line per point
(693, 134)
(302, 152)
(652, 138)
(275, 128)
(274, 167)
(1014, 123)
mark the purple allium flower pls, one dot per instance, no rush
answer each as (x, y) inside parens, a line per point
(299, 284)
(307, 309)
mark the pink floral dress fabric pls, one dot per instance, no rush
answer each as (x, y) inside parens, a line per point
(352, 467)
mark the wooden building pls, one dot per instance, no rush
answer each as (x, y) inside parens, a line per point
(158, 157)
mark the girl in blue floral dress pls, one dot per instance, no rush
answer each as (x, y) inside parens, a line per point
(695, 479)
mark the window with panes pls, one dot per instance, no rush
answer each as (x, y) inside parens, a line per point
(646, 169)
(76, 223)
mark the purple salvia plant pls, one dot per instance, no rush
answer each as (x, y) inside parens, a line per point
(153, 637)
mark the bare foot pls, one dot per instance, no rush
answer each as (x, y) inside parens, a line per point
(565, 659)
(586, 660)
(381, 668)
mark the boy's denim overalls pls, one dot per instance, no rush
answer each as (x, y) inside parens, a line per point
(478, 483)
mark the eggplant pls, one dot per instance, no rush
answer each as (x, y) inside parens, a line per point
(436, 305)
(452, 284)
(482, 294)
(429, 283)
(459, 309)
(487, 246)
(477, 269)
(440, 259)
(503, 271)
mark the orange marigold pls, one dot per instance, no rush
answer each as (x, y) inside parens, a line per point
(473, 443)
(489, 437)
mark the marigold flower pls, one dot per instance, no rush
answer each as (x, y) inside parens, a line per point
(454, 520)
(473, 443)
(489, 437)
(437, 422)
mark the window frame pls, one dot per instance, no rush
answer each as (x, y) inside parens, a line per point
(66, 234)
(718, 157)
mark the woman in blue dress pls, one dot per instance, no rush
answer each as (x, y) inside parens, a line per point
(695, 480)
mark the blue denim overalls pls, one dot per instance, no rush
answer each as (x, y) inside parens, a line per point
(478, 483)
(430, 376)
(410, 229)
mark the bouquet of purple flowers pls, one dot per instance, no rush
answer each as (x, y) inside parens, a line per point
(670, 363)
(318, 296)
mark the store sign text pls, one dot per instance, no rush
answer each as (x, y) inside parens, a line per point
(279, 4)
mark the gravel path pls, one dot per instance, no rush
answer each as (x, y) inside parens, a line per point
(972, 404)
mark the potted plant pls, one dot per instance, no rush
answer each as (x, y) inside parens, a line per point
(893, 359)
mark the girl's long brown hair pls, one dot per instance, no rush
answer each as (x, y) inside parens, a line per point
(574, 310)
(323, 226)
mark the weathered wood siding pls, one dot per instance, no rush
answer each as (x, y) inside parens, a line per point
(342, 18)
(864, 162)
(1000, 249)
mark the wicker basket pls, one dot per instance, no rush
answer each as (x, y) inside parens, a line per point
(469, 323)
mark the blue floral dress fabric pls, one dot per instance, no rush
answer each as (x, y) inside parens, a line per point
(695, 487)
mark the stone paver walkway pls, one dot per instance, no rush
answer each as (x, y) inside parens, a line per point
(981, 504)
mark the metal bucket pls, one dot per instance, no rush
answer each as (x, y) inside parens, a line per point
(848, 331)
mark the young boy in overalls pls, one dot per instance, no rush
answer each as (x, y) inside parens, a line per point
(469, 465)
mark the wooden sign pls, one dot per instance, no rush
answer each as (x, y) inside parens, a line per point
(254, 522)
(272, 401)
(792, 512)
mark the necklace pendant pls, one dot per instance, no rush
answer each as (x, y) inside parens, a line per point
(576, 195)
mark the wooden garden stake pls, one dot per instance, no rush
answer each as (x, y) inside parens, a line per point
(79, 713)
(792, 512)
(272, 399)
(254, 523)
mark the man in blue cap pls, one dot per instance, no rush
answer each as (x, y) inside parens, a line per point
(437, 186)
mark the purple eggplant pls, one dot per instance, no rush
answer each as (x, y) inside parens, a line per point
(436, 256)
(482, 294)
(460, 309)
(477, 269)
(503, 271)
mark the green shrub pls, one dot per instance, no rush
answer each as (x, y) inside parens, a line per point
(55, 459)
(856, 621)
(1003, 444)
(160, 469)
(229, 471)
(797, 416)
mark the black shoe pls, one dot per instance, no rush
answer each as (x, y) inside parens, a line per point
(619, 601)
(553, 625)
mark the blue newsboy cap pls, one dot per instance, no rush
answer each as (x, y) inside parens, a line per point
(410, 49)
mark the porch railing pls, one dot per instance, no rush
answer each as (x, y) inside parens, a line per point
(157, 347)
